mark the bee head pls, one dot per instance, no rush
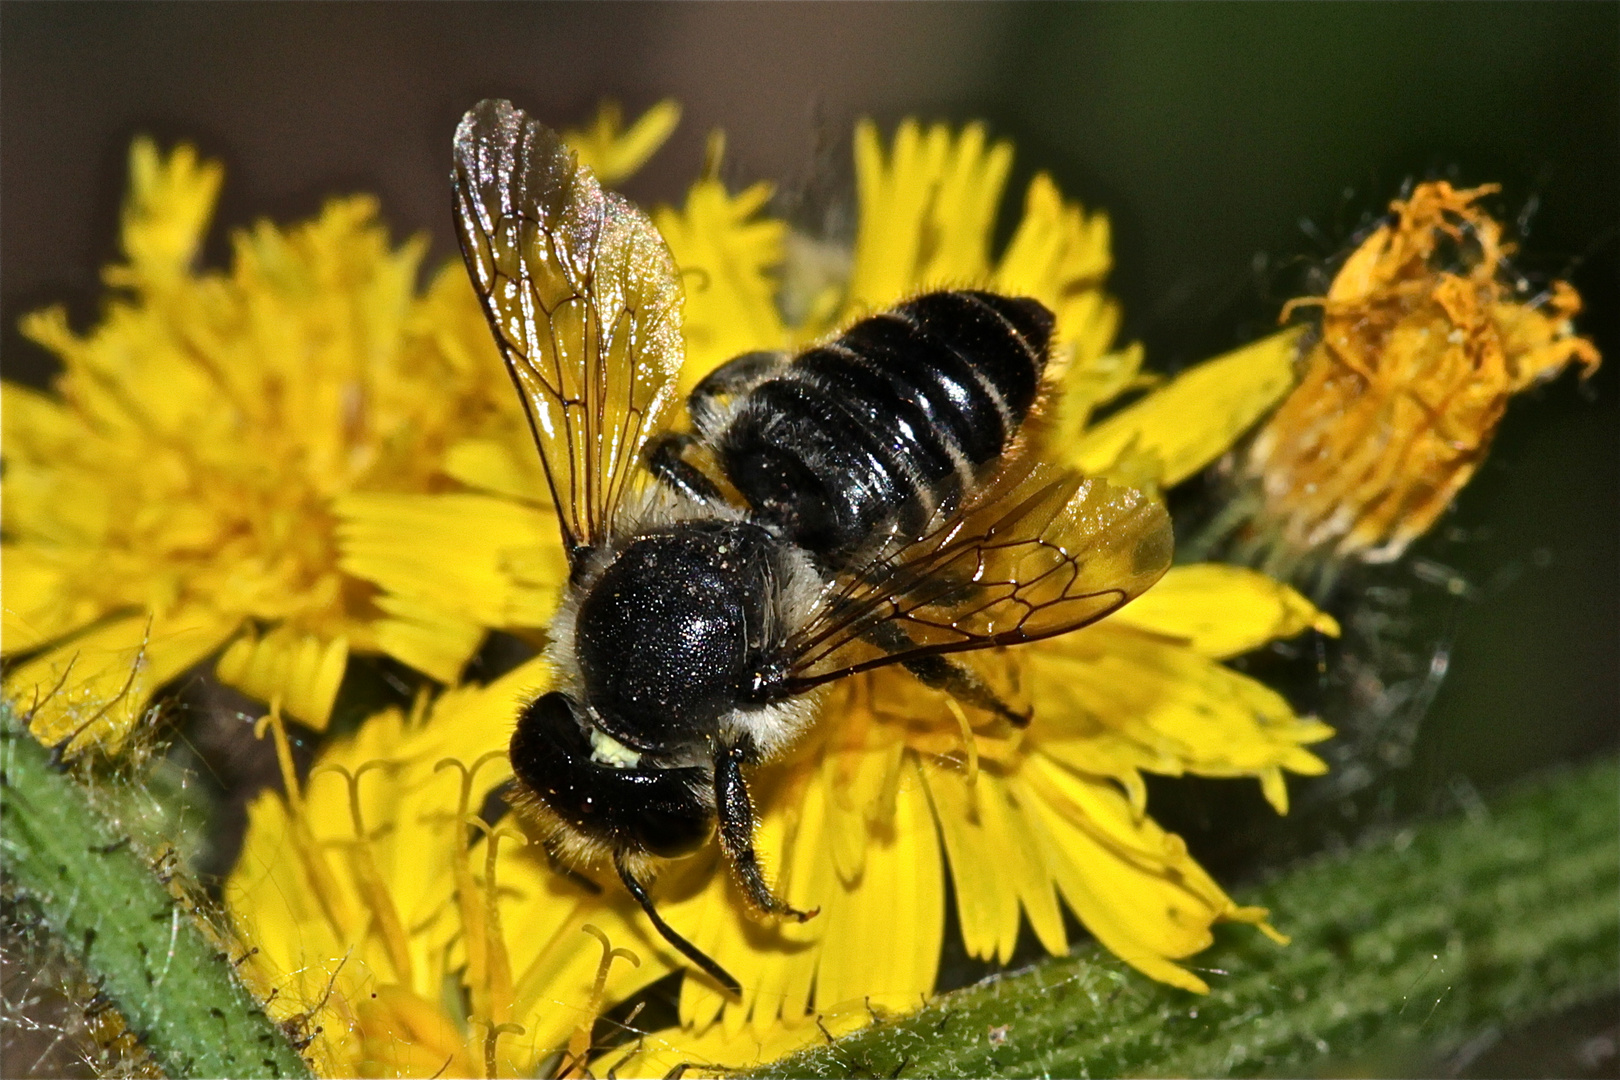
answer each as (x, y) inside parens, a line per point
(590, 795)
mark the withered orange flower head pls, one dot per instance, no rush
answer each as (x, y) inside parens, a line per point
(1426, 331)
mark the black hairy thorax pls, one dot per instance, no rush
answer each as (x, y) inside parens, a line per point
(671, 633)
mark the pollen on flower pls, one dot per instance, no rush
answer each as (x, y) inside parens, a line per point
(1426, 332)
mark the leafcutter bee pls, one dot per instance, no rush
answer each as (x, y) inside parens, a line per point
(878, 499)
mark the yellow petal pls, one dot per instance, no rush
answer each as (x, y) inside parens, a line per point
(861, 778)
(807, 879)
(963, 210)
(432, 638)
(925, 213)
(1223, 611)
(303, 670)
(1199, 415)
(451, 552)
(615, 153)
(38, 426)
(499, 467)
(1060, 256)
(1111, 692)
(988, 912)
(1085, 386)
(1055, 245)
(996, 864)
(718, 1052)
(1132, 884)
(403, 1034)
(38, 605)
(171, 200)
(470, 720)
(885, 944)
(93, 689)
(728, 253)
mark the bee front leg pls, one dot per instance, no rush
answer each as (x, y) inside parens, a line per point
(736, 812)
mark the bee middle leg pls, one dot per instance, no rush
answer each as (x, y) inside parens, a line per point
(664, 455)
(731, 378)
(664, 458)
(736, 812)
(951, 676)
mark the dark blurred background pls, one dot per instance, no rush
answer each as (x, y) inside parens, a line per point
(1238, 148)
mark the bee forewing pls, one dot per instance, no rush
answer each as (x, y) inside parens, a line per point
(585, 303)
(1050, 552)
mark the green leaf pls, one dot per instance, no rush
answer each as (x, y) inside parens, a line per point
(1416, 942)
(102, 900)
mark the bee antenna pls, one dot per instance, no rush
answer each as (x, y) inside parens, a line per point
(682, 946)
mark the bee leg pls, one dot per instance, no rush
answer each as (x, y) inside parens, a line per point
(736, 813)
(963, 684)
(943, 673)
(728, 380)
(663, 458)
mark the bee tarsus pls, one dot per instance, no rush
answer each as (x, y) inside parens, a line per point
(735, 811)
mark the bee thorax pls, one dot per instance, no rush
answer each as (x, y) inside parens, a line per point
(669, 634)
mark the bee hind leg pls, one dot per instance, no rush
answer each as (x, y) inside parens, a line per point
(729, 380)
(964, 685)
(736, 813)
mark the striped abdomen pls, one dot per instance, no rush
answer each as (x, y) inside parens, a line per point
(891, 423)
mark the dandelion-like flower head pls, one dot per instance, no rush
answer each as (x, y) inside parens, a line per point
(418, 937)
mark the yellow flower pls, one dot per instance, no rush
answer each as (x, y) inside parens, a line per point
(896, 788)
(228, 460)
(614, 152)
(1426, 332)
(393, 929)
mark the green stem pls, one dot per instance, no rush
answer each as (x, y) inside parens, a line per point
(103, 902)
(1410, 945)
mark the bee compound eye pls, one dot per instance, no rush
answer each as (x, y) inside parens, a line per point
(652, 809)
(677, 827)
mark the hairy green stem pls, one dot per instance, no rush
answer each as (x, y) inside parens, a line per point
(136, 943)
(1414, 944)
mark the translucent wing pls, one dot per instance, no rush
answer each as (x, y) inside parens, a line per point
(584, 299)
(1046, 552)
